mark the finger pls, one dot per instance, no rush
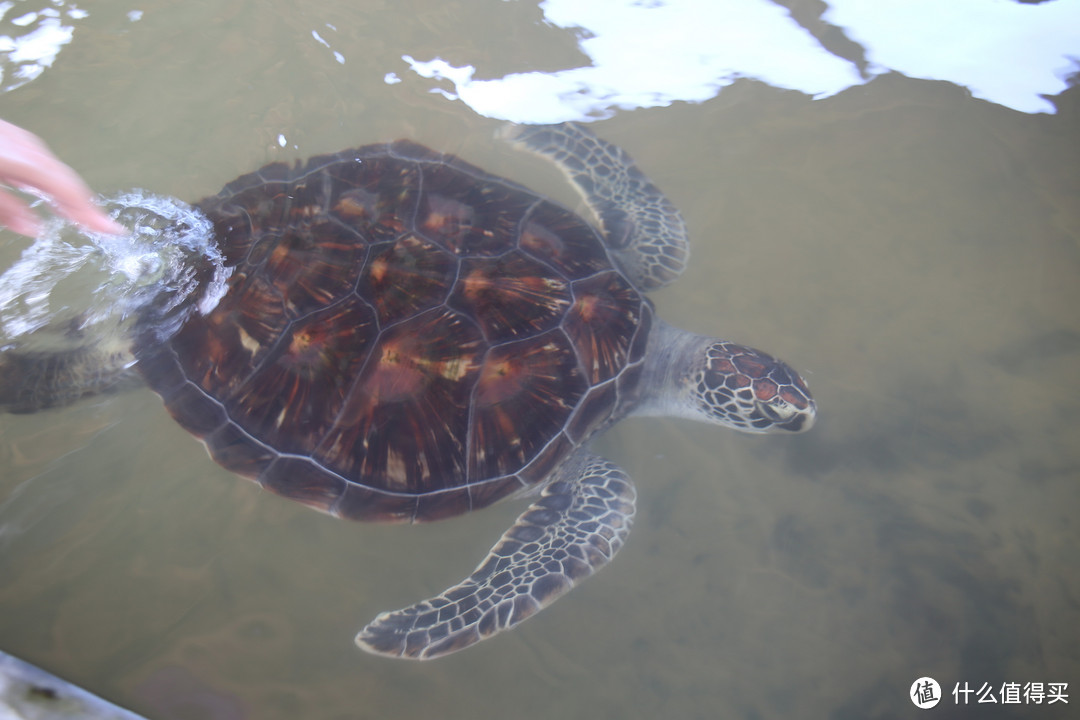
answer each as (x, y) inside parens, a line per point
(67, 198)
(15, 215)
(67, 194)
(28, 162)
(90, 216)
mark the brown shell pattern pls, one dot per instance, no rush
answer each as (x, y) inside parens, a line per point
(404, 336)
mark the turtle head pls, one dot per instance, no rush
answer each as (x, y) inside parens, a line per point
(748, 390)
(720, 382)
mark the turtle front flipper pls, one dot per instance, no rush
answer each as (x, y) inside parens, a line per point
(576, 526)
(643, 230)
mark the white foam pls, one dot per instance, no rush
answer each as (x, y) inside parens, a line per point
(71, 286)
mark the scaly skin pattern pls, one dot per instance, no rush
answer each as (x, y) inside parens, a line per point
(576, 526)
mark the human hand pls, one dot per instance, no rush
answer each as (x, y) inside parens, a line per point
(26, 162)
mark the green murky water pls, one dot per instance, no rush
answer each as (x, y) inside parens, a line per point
(914, 250)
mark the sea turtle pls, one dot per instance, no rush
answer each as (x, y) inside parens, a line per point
(405, 337)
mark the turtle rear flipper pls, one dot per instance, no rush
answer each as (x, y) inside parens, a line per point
(37, 380)
(576, 526)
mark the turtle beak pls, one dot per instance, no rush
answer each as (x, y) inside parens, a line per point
(787, 416)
